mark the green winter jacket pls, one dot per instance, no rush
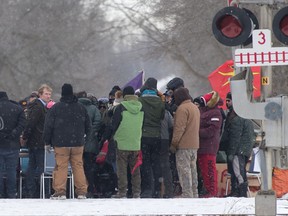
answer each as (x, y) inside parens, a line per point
(154, 110)
(128, 118)
(91, 141)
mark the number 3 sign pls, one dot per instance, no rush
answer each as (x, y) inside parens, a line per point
(261, 39)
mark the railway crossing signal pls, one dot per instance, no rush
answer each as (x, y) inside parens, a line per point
(280, 25)
(233, 26)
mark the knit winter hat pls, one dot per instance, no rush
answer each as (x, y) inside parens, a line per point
(129, 90)
(181, 94)
(3, 94)
(151, 83)
(175, 83)
(114, 90)
(67, 90)
(206, 98)
(229, 96)
(199, 101)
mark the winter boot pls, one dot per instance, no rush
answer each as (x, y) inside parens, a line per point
(243, 188)
(234, 191)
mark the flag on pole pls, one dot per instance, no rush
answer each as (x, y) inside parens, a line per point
(136, 82)
(219, 79)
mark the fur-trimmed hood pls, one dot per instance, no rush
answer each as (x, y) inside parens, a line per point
(211, 99)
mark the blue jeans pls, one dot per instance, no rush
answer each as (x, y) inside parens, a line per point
(9, 159)
(35, 169)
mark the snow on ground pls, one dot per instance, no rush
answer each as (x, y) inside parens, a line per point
(215, 206)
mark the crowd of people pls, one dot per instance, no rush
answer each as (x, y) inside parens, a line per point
(135, 144)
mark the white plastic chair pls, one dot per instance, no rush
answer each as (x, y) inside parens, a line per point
(49, 164)
(251, 176)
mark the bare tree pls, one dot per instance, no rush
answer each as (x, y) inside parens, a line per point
(97, 44)
(53, 42)
(179, 31)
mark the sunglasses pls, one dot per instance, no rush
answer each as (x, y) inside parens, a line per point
(102, 107)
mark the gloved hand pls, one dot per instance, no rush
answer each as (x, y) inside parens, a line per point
(48, 148)
(172, 149)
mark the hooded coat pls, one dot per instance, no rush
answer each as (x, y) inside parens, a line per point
(154, 110)
(210, 126)
(127, 124)
(186, 121)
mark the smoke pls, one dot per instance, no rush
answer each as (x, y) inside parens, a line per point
(163, 82)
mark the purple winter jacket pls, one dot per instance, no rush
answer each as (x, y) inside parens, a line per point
(210, 129)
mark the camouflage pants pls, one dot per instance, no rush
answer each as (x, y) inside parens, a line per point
(187, 171)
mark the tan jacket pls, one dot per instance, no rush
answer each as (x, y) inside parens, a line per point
(186, 126)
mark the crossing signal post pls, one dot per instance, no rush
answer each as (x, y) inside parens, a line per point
(235, 27)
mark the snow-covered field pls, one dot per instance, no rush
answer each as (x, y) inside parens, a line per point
(210, 206)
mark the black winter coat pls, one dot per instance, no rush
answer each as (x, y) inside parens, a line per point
(66, 124)
(33, 132)
(12, 123)
(238, 136)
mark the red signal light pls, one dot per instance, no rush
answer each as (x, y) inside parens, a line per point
(233, 26)
(230, 26)
(280, 25)
(284, 25)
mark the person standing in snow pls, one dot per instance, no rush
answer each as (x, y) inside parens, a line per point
(237, 141)
(185, 142)
(66, 125)
(32, 138)
(127, 124)
(209, 134)
(12, 123)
